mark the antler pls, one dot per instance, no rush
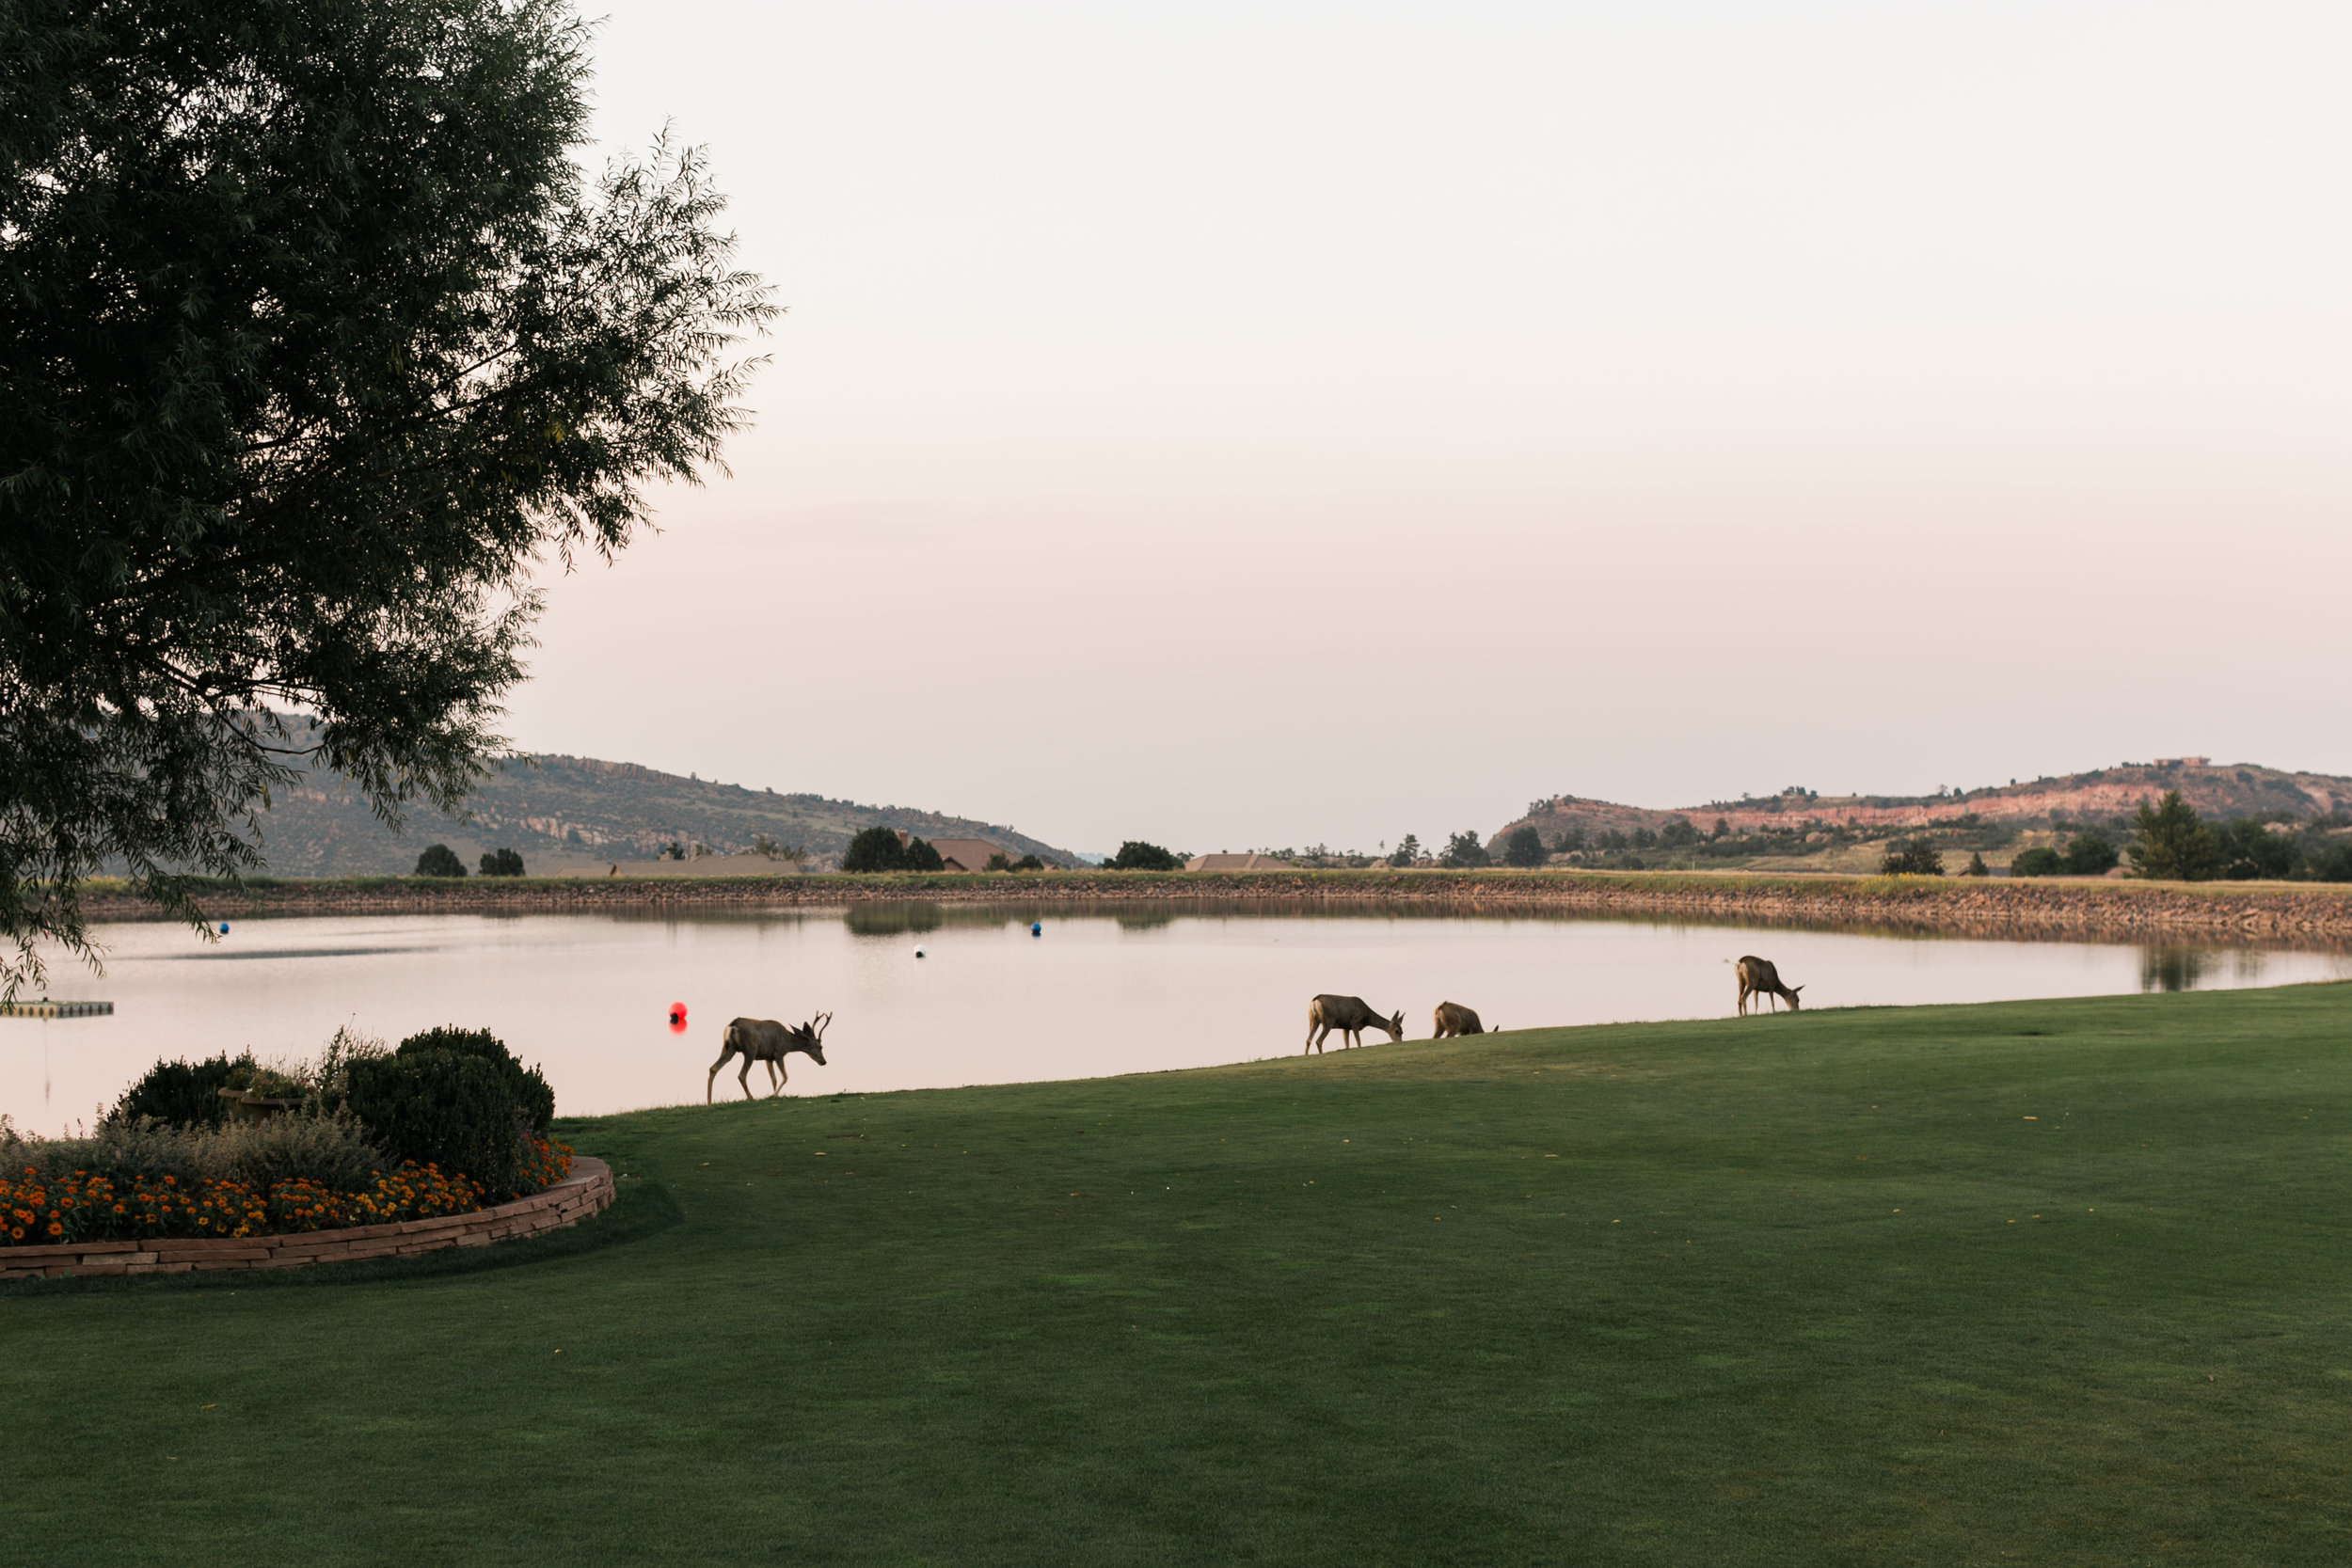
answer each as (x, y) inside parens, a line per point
(821, 1024)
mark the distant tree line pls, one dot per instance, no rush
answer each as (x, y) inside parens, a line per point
(881, 849)
(439, 860)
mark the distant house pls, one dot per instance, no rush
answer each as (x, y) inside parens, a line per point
(1235, 862)
(968, 854)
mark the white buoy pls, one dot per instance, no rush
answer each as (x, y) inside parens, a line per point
(919, 952)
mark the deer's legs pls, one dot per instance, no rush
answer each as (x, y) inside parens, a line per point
(714, 1073)
(1315, 1038)
(779, 1077)
(744, 1078)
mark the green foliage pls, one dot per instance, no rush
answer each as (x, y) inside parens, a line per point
(1524, 848)
(1975, 866)
(1407, 852)
(180, 1093)
(1644, 838)
(1028, 862)
(1571, 839)
(1915, 857)
(1136, 855)
(315, 1146)
(921, 856)
(2090, 854)
(502, 863)
(442, 1108)
(439, 860)
(2331, 863)
(1678, 834)
(318, 341)
(1464, 850)
(2039, 861)
(529, 1085)
(2175, 844)
(2247, 850)
(874, 850)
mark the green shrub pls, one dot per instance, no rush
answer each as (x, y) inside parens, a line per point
(529, 1085)
(1136, 855)
(439, 860)
(442, 1108)
(1975, 866)
(922, 857)
(1463, 851)
(2091, 855)
(502, 863)
(1028, 862)
(332, 1150)
(181, 1094)
(874, 850)
(1524, 848)
(2250, 851)
(2039, 861)
(2175, 844)
(1912, 857)
(2333, 863)
(1678, 834)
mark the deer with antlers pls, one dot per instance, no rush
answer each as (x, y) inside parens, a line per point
(761, 1040)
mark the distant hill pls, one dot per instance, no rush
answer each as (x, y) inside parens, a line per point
(2236, 789)
(577, 814)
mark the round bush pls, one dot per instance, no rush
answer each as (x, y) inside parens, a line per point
(181, 1093)
(442, 1108)
(439, 860)
(2039, 861)
(529, 1088)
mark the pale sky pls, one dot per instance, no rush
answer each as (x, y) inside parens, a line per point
(1234, 425)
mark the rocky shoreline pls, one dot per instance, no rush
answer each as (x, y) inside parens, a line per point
(2306, 913)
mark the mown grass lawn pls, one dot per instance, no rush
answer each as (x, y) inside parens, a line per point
(2039, 1282)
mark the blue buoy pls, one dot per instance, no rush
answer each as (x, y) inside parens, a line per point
(224, 927)
(1036, 929)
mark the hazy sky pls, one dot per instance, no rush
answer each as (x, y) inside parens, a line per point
(1256, 424)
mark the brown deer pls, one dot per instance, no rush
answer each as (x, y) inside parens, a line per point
(761, 1040)
(1453, 1019)
(1757, 977)
(1351, 1018)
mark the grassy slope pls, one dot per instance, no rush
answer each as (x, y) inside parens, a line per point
(1804, 1289)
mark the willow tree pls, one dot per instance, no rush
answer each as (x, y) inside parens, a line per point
(314, 337)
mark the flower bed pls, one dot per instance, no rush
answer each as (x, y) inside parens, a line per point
(583, 1192)
(83, 1207)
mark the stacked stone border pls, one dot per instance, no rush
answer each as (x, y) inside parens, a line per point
(2051, 907)
(578, 1196)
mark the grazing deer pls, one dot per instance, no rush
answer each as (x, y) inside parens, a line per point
(1757, 977)
(1453, 1019)
(760, 1040)
(1351, 1018)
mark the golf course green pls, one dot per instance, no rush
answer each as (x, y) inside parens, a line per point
(2058, 1282)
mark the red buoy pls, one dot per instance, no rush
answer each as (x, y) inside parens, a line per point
(678, 1018)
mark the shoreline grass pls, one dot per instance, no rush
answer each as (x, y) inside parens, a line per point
(2062, 1279)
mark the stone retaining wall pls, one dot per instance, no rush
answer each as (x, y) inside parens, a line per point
(585, 1192)
(2061, 908)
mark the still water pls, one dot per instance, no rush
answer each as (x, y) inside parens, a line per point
(1099, 991)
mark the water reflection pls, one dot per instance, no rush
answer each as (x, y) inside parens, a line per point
(2172, 967)
(1185, 983)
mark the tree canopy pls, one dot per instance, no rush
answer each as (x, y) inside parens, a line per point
(314, 339)
(1139, 855)
(2175, 844)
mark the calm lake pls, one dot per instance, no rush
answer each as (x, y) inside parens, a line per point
(1100, 991)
